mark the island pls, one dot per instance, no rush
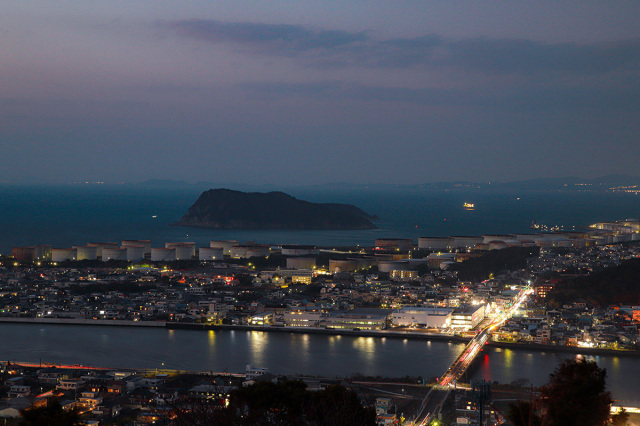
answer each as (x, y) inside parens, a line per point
(229, 209)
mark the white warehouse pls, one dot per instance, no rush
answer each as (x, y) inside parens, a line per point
(422, 317)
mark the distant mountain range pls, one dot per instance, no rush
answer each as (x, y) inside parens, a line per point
(569, 183)
(228, 209)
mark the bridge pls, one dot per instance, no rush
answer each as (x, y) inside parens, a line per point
(432, 404)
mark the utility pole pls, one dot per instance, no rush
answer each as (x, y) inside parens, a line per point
(481, 393)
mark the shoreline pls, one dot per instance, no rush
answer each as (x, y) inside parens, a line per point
(320, 331)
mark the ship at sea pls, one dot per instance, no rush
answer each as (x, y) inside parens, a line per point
(469, 206)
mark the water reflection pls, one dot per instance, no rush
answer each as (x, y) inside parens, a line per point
(284, 353)
(258, 342)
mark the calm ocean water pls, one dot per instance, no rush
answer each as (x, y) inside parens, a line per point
(67, 215)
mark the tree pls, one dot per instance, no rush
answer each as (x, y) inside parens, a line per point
(576, 395)
(50, 415)
(620, 418)
(523, 413)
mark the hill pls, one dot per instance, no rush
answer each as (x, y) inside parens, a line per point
(620, 284)
(228, 209)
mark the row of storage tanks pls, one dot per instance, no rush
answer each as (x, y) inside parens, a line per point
(500, 241)
(133, 250)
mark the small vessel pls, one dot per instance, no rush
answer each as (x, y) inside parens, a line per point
(469, 206)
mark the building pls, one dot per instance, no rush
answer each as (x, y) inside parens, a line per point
(467, 317)
(303, 317)
(422, 317)
(359, 319)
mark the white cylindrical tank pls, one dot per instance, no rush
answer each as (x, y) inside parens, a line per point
(208, 254)
(466, 242)
(392, 265)
(621, 238)
(114, 254)
(63, 254)
(86, 252)
(224, 244)
(301, 262)
(299, 250)
(497, 237)
(435, 243)
(497, 245)
(402, 244)
(183, 252)
(163, 254)
(182, 248)
(339, 265)
(146, 244)
(135, 253)
(101, 246)
(258, 251)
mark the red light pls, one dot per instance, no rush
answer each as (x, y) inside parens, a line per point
(465, 289)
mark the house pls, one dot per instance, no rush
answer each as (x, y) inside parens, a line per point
(19, 391)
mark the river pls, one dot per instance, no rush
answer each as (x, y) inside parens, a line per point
(284, 353)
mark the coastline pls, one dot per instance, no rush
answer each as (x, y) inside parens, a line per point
(320, 331)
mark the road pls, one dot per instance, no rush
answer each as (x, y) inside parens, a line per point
(432, 404)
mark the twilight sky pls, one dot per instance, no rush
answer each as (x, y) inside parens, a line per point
(301, 91)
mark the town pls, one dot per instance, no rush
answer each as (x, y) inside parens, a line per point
(442, 288)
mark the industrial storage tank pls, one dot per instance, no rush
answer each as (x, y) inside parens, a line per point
(392, 265)
(487, 239)
(403, 244)
(210, 253)
(63, 254)
(301, 262)
(299, 250)
(42, 252)
(24, 254)
(114, 254)
(86, 252)
(249, 250)
(101, 246)
(497, 245)
(184, 249)
(163, 254)
(224, 244)
(339, 265)
(435, 243)
(135, 253)
(258, 251)
(146, 244)
(621, 238)
(466, 242)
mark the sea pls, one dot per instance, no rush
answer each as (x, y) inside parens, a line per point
(77, 214)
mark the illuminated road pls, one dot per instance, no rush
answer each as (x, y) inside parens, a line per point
(432, 404)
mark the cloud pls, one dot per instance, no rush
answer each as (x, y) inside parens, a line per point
(269, 38)
(336, 48)
(526, 56)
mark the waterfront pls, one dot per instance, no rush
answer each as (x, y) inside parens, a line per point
(286, 353)
(69, 215)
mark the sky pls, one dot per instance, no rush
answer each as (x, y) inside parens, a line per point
(306, 92)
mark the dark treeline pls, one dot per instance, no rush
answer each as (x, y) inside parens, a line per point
(619, 284)
(494, 261)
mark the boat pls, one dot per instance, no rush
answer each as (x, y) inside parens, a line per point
(469, 206)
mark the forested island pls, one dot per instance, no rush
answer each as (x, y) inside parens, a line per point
(228, 209)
